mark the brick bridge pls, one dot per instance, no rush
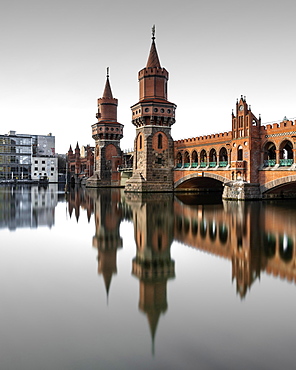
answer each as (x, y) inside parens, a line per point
(264, 155)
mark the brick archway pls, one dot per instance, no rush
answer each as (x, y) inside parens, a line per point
(205, 174)
(275, 183)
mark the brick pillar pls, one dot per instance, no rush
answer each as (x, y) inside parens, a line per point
(294, 155)
(277, 156)
(229, 155)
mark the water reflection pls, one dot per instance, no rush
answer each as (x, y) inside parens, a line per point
(165, 268)
(254, 236)
(27, 206)
(153, 221)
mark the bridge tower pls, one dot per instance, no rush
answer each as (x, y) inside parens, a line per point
(153, 116)
(245, 154)
(107, 133)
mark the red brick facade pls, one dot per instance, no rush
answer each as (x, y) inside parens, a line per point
(250, 151)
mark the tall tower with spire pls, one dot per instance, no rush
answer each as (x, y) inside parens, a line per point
(107, 133)
(153, 117)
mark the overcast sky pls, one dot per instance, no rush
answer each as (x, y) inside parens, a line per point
(54, 56)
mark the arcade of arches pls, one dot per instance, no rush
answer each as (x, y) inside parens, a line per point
(257, 154)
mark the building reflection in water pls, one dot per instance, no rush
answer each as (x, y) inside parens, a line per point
(27, 206)
(108, 215)
(255, 237)
(153, 229)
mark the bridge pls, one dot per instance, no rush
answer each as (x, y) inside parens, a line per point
(251, 153)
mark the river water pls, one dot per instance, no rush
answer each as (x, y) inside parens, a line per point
(107, 280)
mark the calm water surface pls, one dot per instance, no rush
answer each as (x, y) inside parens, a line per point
(107, 280)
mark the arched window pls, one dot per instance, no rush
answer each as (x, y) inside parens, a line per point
(223, 157)
(159, 141)
(140, 142)
(179, 160)
(186, 159)
(269, 154)
(239, 153)
(203, 158)
(213, 158)
(194, 159)
(286, 153)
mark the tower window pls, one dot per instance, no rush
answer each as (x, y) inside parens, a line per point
(159, 145)
(140, 142)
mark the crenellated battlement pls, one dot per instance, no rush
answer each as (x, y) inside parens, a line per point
(156, 71)
(277, 126)
(201, 139)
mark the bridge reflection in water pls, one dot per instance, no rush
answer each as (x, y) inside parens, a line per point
(255, 237)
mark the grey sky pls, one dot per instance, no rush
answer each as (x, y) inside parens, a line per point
(54, 57)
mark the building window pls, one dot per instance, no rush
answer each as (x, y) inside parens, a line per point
(140, 142)
(36, 162)
(36, 168)
(52, 169)
(43, 169)
(43, 162)
(159, 141)
(240, 154)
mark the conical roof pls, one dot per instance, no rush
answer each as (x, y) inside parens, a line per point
(153, 60)
(107, 91)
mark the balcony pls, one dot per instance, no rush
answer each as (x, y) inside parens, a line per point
(203, 164)
(212, 164)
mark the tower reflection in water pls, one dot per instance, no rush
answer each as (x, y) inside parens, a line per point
(255, 236)
(153, 229)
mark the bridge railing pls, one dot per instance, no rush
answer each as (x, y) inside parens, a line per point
(269, 162)
(202, 164)
(286, 162)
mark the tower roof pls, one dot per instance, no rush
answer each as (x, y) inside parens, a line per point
(107, 91)
(153, 60)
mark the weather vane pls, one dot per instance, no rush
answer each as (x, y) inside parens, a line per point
(153, 32)
(107, 71)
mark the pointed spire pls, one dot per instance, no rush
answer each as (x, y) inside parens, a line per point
(107, 91)
(153, 60)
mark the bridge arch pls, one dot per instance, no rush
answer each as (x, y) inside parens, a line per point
(194, 176)
(278, 182)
